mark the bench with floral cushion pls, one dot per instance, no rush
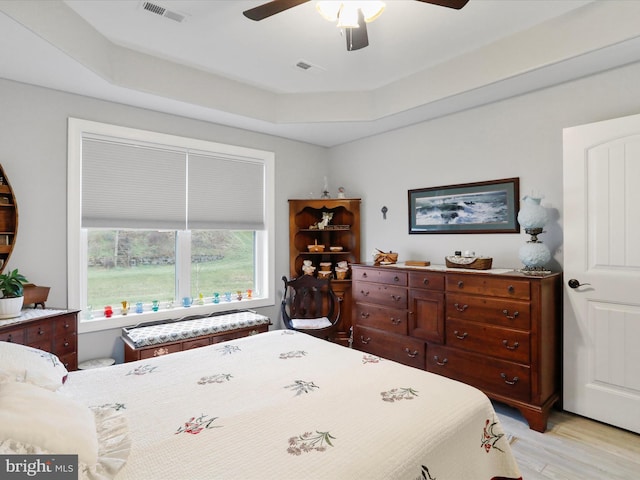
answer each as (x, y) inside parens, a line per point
(152, 340)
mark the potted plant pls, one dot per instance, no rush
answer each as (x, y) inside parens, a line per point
(12, 290)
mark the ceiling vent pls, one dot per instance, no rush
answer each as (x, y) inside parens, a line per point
(308, 67)
(163, 12)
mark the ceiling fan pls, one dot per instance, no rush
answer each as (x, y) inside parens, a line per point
(355, 30)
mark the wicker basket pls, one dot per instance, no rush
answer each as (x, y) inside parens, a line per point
(385, 258)
(474, 263)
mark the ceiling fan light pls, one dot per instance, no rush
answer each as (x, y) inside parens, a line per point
(348, 16)
(371, 10)
(329, 10)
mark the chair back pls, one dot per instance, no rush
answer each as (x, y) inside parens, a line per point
(308, 298)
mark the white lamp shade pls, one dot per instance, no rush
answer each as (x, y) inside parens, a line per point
(532, 214)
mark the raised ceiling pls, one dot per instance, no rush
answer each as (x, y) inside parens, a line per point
(205, 60)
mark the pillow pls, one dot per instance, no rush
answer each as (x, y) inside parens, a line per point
(27, 364)
(53, 422)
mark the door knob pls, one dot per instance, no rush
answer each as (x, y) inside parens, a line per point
(573, 283)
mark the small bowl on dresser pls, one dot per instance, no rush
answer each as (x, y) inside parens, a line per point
(335, 249)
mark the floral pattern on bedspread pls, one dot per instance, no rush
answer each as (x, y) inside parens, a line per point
(294, 354)
(490, 437)
(300, 387)
(196, 425)
(397, 394)
(216, 378)
(309, 441)
(142, 370)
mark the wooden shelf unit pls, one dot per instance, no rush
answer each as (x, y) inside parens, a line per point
(343, 231)
(8, 220)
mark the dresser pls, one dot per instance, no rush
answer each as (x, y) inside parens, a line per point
(54, 331)
(497, 330)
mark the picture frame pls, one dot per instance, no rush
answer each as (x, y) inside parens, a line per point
(480, 207)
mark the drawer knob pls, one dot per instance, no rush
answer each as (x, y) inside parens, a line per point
(411, 354)
(509, 382)
(460, 284)
(365, 340)
(510, 317)
(425, 281)
(40, 331)
(160, 351)
(10, 338)
(396, 321)
(396, 298)
(511, 289)
(460, 308)
(396, 279)
(510, 347)
(438, 362)
(461, 336)
(366, 294)
(65, 344)
(66, 325)
(365, 315)
(364, 274)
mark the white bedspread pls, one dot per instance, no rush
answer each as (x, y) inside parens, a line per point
(285, 405)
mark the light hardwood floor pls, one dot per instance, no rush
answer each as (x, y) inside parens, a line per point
(572, 448)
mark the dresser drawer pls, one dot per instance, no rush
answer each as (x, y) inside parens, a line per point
(426, 280)
(386, 295)
(508, 313)
(389, 319)
(15, 336)
(389, 275)
(488, 374)
(39, 332)
(65, 345)
(197, 343)
(160, 350)
(65, 326)
(504, 343)
(399, 348)
(490, 285)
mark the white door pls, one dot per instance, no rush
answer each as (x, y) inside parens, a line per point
(602, 252)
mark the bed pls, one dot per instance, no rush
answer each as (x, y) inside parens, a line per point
(277, 405)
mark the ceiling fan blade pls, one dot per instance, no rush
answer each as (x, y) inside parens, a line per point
(457, 4)
(357, 38)
(271, 8)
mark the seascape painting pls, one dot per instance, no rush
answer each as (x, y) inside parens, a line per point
(470, 208)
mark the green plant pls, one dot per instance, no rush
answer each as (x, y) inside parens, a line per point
(12, 284)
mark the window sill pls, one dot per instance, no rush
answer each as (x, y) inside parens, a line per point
(132, 319)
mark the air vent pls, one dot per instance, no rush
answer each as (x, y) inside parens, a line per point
(307, 67)
(163, 12)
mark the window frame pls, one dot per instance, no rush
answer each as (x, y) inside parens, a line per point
(77, 238)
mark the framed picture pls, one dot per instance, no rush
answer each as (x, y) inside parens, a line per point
(482, 207)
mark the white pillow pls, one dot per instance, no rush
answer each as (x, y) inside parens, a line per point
(53, 422)
(27, 364)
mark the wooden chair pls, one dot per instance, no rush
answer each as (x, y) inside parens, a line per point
(310, 305)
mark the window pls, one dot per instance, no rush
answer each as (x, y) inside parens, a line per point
(163, 222)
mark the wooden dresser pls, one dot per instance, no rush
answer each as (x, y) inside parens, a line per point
(54, 331)
(499, 332)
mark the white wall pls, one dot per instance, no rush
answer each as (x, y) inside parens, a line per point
(33, 153)
(517, 137)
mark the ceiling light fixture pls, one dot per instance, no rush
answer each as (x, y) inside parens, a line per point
(346, 13)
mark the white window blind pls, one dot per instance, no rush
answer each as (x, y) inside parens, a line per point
(225, 193)
(126, 184)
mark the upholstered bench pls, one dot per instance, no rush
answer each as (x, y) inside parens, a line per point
(152, 340)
